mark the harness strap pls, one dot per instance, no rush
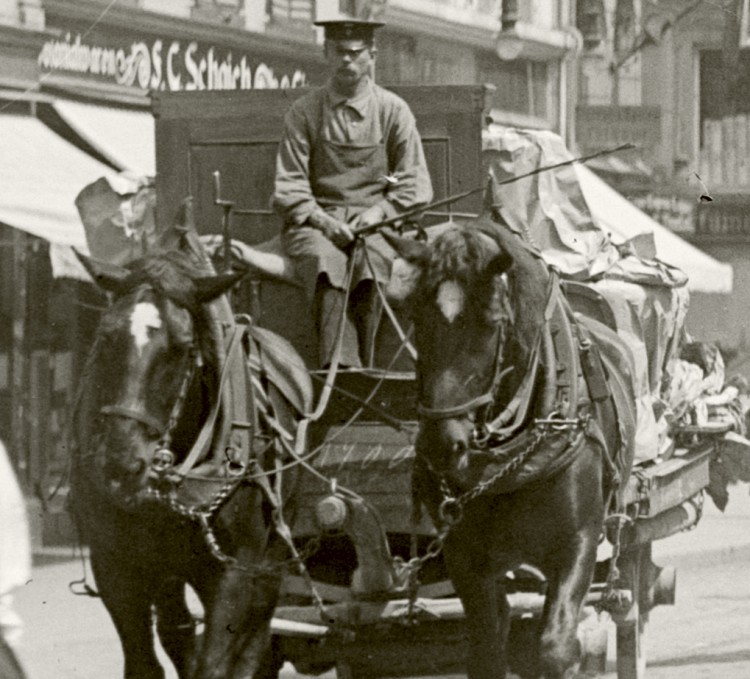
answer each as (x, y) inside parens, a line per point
(567, 353)
(455, 411)
(238, 405)
(501, 427)
(402, 335)
(519, 404)
(325, 393)
(203, 440)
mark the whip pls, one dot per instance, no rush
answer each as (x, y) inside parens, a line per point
(366, 230)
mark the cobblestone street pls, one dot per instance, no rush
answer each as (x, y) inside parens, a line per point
(706, 635)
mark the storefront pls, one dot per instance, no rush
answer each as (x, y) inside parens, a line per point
(101, 74)
(74, 106)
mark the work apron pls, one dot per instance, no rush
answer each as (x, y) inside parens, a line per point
(346, 179)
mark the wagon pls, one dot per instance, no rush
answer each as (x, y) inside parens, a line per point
(374, 599)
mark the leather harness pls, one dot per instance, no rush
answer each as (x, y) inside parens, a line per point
(574, 377)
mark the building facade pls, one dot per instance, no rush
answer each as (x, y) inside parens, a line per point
(674, 76)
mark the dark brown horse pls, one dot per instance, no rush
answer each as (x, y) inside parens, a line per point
(169, 484)
(518, 443)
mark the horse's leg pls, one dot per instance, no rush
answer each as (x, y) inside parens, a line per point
(236, 629)
(127, 598)
(566, 589)
(239, 600)
(486, 609)
(570, 568)
(175, 625)
(259, 658)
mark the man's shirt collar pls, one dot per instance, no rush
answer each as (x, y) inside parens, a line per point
(359, 102)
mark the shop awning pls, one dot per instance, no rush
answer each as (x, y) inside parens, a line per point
(125, 137)
(622, 219)
(575, 217)
(40, 175)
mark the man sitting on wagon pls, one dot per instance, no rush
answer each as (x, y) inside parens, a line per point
(350, 157)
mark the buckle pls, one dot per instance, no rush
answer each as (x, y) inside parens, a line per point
(163, 459)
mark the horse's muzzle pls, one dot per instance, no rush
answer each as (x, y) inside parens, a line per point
(447, 444)
(123, 480)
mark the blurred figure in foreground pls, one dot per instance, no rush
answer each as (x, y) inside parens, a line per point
(15, 564)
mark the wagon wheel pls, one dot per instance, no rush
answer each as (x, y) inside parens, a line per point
(631, 626)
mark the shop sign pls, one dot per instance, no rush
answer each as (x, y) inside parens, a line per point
(159, 64)
(674, 212)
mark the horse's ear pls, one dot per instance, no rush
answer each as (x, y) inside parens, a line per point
(109, 277)
(501, 263)
(210, 287)
(413, 251)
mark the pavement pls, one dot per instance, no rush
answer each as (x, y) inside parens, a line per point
(71, 637)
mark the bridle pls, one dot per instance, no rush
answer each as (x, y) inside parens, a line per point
(132, 414)
(483, 435)
(513, 437)
(163, 457)
(478, 405)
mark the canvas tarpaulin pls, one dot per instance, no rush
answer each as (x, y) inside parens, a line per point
(118, 214)
(579, 221)
(647, 297)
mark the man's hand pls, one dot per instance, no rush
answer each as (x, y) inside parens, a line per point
(214, 245)
(372, 215)
(338, 232)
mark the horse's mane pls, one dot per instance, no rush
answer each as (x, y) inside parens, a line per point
(460, 255)
(463, 255)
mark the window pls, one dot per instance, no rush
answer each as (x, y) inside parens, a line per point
(520, 86)
(291, 10)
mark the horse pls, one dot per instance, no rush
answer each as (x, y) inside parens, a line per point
(171, 482)
(520, 448)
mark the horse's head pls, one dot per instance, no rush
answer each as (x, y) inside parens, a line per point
(471, 329)
(147, 347)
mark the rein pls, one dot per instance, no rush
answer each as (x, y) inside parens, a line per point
(163, 456)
